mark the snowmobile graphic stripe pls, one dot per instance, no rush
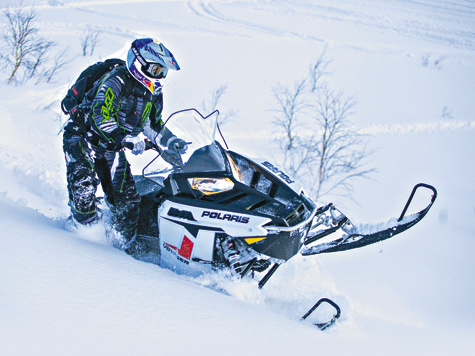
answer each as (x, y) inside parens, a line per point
(185, 249)
(253, 240)
(172, 247)
(192, 228)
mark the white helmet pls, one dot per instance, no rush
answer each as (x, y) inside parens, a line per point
(148, 61)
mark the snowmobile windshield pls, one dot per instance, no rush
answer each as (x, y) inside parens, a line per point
(201, 153)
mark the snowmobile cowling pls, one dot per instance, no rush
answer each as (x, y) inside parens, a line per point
(209, 208)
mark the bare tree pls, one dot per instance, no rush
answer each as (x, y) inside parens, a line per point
(341, 149)
(54, 66)
(446, 112)
(317, 71)
(319, 145)
(212, 104)
(89, 41)
(291, 104)
(24, 52)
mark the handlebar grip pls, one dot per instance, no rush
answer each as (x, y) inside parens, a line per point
(128, 145)
(148, 145)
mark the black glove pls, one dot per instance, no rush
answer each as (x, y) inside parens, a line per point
(67, 104)
(101, 145)
(178, 145)
(137, 143)
(76, 123)
(115, 144)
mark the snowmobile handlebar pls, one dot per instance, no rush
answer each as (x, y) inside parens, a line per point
(149, 145)
(172, 156)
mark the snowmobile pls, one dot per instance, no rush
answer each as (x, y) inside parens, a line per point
(210, 208)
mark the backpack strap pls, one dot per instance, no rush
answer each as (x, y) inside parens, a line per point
(86, 81)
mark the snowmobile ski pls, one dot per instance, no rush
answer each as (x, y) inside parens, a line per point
(323, 326)
(353, 239)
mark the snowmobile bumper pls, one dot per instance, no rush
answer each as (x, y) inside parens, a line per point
(284, 242)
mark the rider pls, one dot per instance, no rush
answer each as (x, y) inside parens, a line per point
(122, 104)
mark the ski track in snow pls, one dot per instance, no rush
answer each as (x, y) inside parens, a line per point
(359, 18)
(206, 10)
(344, 13)
(90, 7)
(412, 128)
(388, 129)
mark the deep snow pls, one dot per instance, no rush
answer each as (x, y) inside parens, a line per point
(65, 293)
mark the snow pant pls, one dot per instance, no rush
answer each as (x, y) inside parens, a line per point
(86, 167)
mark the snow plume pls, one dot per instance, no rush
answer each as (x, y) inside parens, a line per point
(291, 292)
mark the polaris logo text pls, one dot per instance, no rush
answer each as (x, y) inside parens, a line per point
(223, 216)
(278, 172)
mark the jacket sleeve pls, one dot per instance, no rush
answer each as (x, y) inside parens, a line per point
(153, 127)
(105, 105)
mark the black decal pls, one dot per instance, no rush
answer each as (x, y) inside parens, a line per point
(183, 214)
(278, 172)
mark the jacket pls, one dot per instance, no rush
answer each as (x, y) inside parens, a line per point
(118, 106)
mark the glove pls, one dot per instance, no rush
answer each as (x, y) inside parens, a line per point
(76, 124)
(177, 144)
(139, 144)
(67, 104)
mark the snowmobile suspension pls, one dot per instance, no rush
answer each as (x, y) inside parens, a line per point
(269, 274)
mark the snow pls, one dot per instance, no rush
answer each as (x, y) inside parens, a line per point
(410, 65)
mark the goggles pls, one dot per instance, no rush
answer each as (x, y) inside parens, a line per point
(155, 70)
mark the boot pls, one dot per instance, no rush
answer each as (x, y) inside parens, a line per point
(72, 224)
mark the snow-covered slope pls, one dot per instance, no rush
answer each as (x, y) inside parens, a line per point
(411, 65)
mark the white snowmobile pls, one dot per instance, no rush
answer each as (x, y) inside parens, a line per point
(211, 208)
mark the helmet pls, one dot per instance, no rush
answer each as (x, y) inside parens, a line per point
(148, 60)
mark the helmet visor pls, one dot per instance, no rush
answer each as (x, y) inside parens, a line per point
(155, 70)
